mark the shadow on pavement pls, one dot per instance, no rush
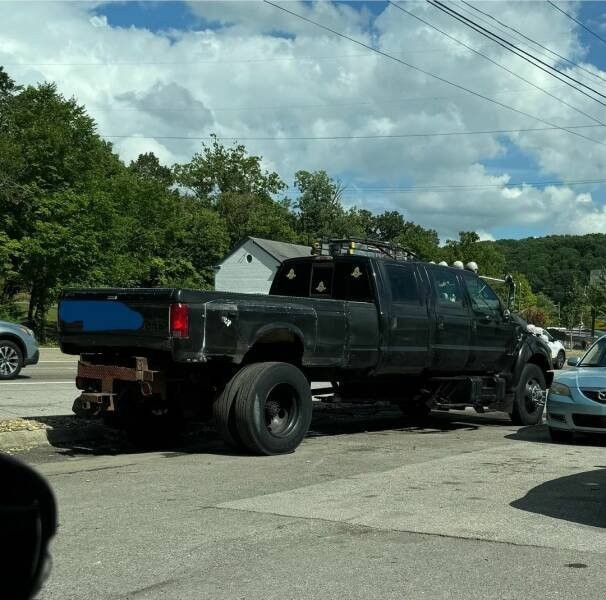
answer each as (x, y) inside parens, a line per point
(328, 420)
(579, 498)
(540, 435)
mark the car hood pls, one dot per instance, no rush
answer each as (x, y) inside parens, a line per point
(585, 377)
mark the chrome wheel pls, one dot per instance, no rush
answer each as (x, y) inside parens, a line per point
(9, 361)
(534, 395)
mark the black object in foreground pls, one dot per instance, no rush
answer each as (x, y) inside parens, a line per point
(28, 521)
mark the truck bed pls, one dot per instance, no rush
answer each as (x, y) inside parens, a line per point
(222, 325)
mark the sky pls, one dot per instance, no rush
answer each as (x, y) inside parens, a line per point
(162, 76)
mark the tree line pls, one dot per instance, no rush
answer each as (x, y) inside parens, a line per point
(73, 214)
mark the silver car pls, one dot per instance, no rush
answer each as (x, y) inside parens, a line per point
(18, 348)
(577, 397)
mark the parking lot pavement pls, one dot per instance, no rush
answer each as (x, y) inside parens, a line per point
(46, 389)
(368, 507)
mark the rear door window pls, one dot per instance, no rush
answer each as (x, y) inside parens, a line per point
(403, 284)
(447, 288)
(352, 281)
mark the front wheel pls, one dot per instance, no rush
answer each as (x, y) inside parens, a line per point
(529, 396)
(11, 360)
(273, 407)
(558, 363)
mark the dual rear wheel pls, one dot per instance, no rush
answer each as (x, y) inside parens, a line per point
(265, 408)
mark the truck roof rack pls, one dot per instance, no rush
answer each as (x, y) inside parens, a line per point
(361, 247)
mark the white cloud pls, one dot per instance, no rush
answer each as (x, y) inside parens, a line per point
(263, 73)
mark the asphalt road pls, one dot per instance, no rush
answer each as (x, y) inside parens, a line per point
(45, 389)
(368, 507)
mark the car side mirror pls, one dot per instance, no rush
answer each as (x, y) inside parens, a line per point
(573, 361)
(506, 314)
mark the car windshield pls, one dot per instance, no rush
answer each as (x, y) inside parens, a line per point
(595, 356)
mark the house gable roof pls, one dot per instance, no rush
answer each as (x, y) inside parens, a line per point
(280, 251)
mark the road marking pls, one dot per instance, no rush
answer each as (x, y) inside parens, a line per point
(67, 362)
(34, 383)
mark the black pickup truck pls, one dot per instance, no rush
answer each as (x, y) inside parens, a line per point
(421, 335)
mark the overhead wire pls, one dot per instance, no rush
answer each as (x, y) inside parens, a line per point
(429, 74)
(343, 137)
(593, 33)
(527, 56)
(470, 187)
(378, 101)
(494, 62)
(535, 42)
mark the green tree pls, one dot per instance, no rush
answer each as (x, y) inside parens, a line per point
(574, 308)
(147, 166)
(595, 297)
(318, 208)
(247, 214)
(468, 248)
(218, 170)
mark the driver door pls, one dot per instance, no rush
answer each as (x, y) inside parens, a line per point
(492, 335)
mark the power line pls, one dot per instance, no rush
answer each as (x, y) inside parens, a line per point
(345, 137)
(212, 62)
(378, 101)
(518, 51)
(494, 62)
(479, 187)
(533, 41)
(593, 33)
(429, 74)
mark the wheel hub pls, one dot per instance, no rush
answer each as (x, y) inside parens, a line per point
(279, 411)
(534, 394)
(9, 361)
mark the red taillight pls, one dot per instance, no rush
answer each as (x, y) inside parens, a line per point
(179, 320)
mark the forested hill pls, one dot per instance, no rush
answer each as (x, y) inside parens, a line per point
(551, 263)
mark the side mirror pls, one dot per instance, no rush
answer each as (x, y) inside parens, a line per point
(506, 314)
(573, 361)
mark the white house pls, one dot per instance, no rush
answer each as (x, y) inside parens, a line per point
(250, 267)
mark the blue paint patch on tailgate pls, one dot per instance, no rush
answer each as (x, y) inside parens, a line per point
(99, 315)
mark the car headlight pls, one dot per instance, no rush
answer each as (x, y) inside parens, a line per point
(560, 389)
(26, 330)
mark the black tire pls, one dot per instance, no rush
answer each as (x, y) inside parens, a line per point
(527, 406)
(558, 363)
(416, 413)
(11, 360)
(559, 436)
(273, 408)
(223, 411)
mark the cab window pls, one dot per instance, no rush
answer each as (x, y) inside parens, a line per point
(481, 294)
(403, 284)
(321, 281)
(447, 288)
(352, 282)
(292, 279)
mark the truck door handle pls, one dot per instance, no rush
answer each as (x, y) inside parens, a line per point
(441, 325)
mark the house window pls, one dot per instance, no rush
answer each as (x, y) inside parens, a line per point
(249, 258)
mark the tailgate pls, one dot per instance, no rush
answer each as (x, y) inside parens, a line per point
(95, 318)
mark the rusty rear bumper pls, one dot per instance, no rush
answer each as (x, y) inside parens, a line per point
(103, 379)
